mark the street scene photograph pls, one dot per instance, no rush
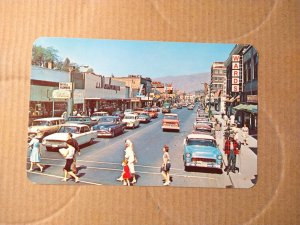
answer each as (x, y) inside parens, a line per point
(142, 113)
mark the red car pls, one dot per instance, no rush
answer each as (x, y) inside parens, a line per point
(170, 122)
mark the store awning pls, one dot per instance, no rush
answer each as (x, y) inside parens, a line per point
(247, 108)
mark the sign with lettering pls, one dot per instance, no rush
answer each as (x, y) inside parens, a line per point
(235, 88)
(61, 94)
(235, 80)
(65, 86)
(252, 98)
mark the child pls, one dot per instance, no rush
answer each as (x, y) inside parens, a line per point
(126, 173)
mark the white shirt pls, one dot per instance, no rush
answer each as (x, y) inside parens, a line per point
(129, 154)
(71, 152)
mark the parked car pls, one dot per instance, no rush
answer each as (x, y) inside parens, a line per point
(131, 120)
(128, 111)
(200, 150)
(81, 132)
(46, 125)
(190, 107)
(166, 108)
(144, 117)
(118, 113)
(82, 120)
(202, 128)
(96, 115)
(109, 126)
(179, 106)
(170, 122)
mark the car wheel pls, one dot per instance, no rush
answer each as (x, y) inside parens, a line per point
(113, 134)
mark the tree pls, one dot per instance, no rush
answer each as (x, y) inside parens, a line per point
(66, 65)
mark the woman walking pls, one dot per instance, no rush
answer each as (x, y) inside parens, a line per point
(130, 156)
(165, 168)
(35, 155)
(69, 155)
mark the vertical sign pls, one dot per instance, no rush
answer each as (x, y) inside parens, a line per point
(235, 73)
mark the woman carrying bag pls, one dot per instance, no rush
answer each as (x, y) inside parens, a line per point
(35, 154)
(68, 153)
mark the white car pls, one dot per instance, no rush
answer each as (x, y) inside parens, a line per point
(82, 133)
(131, 120)
(97, 115)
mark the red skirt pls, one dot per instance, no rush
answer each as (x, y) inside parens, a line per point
(126, 171)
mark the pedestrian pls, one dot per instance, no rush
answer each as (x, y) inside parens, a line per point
(35, 155)
(131, 158)
(231, 149)
(245, 134)
(126, 173)
(166, 165)
(226, 119)
(68, 153)
(232, 117)
(74, 143)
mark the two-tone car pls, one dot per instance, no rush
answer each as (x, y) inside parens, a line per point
(152, 113)
(109, 126)
(45, 125)
(81, 120)
(144, 117)
(200, 150)
(97, 115)
(131, 120)
(170, 122)
(81, 132)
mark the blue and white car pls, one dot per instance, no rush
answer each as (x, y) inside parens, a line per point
(200, 150)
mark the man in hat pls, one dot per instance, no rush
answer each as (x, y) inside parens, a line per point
(231, 149)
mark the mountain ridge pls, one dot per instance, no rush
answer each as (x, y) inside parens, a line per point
(187, 83)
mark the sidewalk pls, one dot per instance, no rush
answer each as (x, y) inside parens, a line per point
(246, 161)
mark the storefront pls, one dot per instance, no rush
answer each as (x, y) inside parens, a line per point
(105, 94)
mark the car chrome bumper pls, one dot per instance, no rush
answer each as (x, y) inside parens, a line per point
(170, 128)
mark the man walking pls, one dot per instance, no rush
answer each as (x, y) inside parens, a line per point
(231, 149)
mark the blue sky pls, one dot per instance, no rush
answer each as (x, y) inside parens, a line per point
(147, 58)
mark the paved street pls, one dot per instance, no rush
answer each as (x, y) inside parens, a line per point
(100, 162)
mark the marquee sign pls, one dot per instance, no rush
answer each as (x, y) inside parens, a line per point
(235, 73)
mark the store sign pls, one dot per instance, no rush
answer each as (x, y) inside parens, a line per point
(65, 86)
(252, 98)
(61, 94)
(235, 73)
(78, 96)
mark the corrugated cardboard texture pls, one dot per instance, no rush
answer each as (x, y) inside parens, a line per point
(271, 26)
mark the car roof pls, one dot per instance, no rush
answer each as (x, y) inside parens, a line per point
(73, 125)
(79, 117)
(131, 114)
(200, 136)
(49, 119)
(202, 125)
(100, 112)
(171, 114)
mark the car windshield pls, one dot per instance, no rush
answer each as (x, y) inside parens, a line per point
(129, 117)
(203, 130)
(201, 142)
(68, 129)
(106, 119)
(171, 117)
(99, 114)
(128, 110)
(40, 123)
(74, 119)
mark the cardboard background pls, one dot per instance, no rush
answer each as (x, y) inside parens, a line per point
(271, 26)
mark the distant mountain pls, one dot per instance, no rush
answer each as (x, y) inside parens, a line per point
(187, 83)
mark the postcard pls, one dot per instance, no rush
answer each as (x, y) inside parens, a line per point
(143, 113)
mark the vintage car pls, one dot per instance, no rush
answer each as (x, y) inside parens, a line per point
(128, 111)
(81, 132)
(166, 108)
(200, 150)
(179, 106)
(144, 117)
(170, 122)
(190, 107)
(46, 125)
(96, 115)
(109, 126)
(152, 112)
(203, 128)
(82, 120)
(118, 113)
(131, 120)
